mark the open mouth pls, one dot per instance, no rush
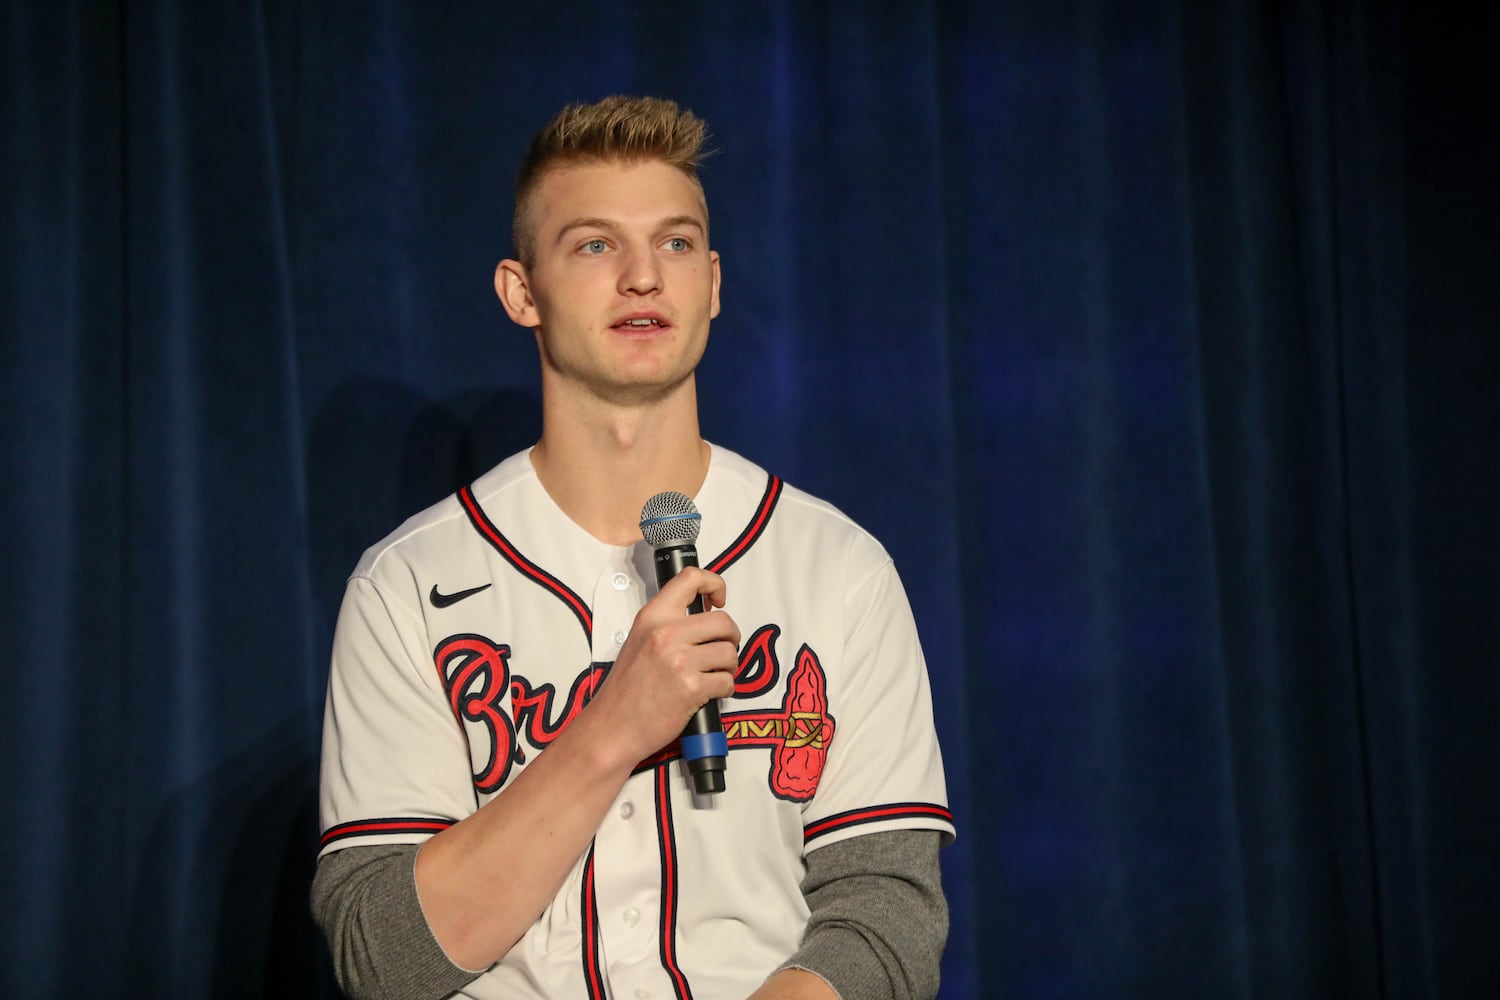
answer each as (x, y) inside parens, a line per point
(641, 324)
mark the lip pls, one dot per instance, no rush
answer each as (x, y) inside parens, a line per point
(624, 324)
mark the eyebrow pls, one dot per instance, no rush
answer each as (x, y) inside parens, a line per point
(598, 222)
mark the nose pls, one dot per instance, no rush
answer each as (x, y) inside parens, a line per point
(640, 273)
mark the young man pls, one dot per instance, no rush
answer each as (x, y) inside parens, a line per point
(505, 809)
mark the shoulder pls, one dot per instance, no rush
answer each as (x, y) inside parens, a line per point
(793, 518)
(444, 529)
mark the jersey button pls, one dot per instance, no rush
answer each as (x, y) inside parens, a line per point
(632, 917)
(641, 993)
(620, 581)
(619, 637)
(627, 810)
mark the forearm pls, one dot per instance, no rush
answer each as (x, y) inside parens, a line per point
(385, 940)
(475, 899)
(478, 901)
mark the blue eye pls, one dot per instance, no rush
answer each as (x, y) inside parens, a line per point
(678, 244)
(594, 247)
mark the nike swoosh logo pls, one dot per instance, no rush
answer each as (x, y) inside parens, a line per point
(448, 600)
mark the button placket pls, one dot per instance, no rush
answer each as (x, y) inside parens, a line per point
(617, 598)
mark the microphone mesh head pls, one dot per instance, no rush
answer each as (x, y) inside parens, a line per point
(669, 518)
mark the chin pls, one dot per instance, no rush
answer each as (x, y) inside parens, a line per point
(642, 392)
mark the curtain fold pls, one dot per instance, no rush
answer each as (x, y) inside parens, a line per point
(64, 452)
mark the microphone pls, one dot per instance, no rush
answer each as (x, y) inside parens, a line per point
(669, 523)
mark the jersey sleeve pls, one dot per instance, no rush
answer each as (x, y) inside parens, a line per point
(395, 762)
(884, 769)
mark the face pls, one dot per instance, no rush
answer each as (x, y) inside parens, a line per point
(623, 286)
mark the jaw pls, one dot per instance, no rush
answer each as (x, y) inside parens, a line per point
(636, 375)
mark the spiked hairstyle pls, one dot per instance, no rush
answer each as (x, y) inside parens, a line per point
(615, 129)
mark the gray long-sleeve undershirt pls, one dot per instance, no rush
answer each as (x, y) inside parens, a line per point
(876, 931)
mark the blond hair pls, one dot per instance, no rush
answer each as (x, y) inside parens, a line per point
(616, 129)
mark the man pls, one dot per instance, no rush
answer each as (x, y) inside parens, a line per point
(505, 809)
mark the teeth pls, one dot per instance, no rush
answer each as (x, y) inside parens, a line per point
(640, 322)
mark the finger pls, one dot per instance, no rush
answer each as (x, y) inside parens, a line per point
(709, 627)
(727, 688)
(691, 583)
(717, 665)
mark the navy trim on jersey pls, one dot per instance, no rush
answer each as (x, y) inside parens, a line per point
(383, 827)
(875, 814)
(529, 569)
(667, 843)
(593, 968)
(753, 530)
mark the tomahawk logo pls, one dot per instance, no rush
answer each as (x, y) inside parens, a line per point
(477, 677)
(798, 734)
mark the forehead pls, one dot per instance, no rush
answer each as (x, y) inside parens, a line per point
(642, 192)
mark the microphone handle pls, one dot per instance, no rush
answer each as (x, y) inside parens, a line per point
(703, 745)
(673, 559)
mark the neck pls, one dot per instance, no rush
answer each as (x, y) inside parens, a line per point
(600, 464)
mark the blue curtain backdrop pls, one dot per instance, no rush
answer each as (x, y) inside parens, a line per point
(1158, 341)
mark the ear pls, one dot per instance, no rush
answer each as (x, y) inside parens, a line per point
(713, 312)
(513, 287)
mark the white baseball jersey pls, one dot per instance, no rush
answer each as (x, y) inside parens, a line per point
(471, 636)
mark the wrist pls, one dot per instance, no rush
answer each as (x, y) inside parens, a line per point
(606, 746)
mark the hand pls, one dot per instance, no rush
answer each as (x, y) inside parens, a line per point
(671, 665)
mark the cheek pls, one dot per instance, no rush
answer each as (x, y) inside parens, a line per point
(705, 283)
(563, 307)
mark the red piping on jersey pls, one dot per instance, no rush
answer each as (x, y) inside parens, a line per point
(753, 530)
(874, 814)
(667, 840)
(592, 975)
(374, 827)
(539, 576)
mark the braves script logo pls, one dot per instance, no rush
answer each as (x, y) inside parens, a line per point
(476, 674)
